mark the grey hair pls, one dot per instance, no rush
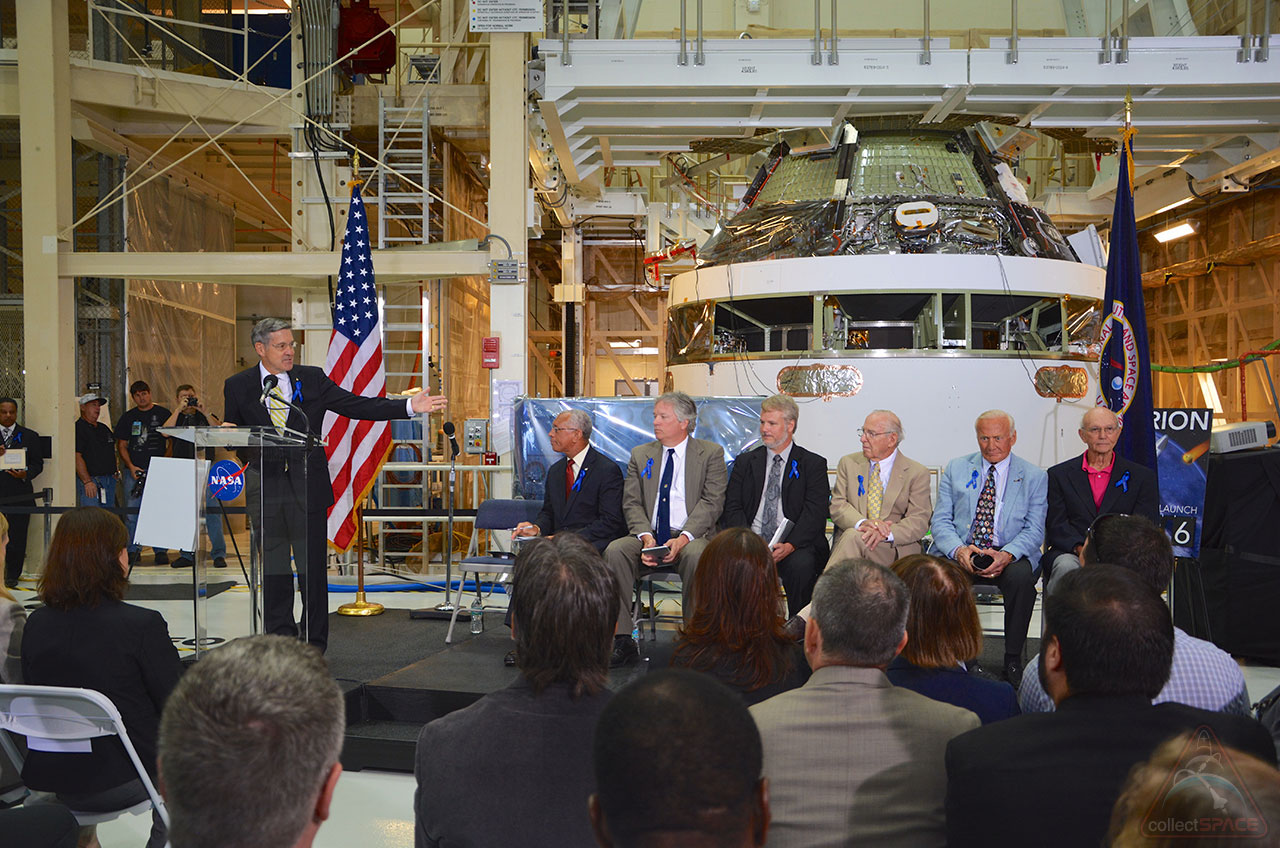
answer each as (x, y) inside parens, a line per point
(781, 403)
(247, 739)
(1115, 419)
(895, 423)
(263, 329)
(996, 413)
(682, 405)
(581, 420)
(861, 611)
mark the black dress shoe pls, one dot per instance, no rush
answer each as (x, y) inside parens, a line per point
(795, 628)
(510, 659)
(624, 651)
(1013, 671)
(135, 557)
(162, 559)
(181, 562)
(219, 562)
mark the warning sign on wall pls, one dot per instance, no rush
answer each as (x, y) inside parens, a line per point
(507, 16)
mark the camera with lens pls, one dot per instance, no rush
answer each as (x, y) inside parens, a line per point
(141, 481)
(192, 400)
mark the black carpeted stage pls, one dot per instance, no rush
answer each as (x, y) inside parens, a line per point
(398, 674)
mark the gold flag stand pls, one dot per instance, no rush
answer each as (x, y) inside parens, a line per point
(360, 606)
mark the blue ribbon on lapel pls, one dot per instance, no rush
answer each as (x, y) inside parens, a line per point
(1123, 482)
(577, 484)
(297, 390)
(648, 469)
(17, 439)
(862, 490)
(973, 481)
(795, 470)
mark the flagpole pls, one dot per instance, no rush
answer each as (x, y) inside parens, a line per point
(360, 606)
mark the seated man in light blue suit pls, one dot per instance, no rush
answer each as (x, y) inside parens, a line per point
(990, 519)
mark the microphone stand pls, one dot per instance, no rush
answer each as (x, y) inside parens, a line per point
(444, 611)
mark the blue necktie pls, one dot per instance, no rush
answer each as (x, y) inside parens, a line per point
(662, 532)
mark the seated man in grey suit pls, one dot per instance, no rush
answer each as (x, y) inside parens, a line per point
(990, 519)
(677, 761)
(527, 747)
(672, 497)
(851, 758)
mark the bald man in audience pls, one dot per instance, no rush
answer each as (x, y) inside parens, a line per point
(1098, 482)
(881, 503)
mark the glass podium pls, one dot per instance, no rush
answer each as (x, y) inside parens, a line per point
(269, 467)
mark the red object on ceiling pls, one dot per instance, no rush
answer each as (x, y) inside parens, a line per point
(357, 24)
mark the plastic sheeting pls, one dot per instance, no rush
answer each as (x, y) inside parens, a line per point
(618, 425)
(179, 332)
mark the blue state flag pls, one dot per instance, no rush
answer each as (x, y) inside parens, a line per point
(1124, 371)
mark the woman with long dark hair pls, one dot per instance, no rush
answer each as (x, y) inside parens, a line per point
(85, 636)
(736, 631)
(944, 636)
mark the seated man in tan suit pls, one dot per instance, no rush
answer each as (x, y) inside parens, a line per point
(880, 504)
(672, 497)
(851, 758)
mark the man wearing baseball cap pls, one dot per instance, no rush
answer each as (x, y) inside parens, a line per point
(96, 471)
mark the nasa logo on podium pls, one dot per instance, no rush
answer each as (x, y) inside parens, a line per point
(226, 480)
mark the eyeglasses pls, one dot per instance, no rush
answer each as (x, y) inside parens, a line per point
(284, 345)
(871, 434)
(566, 429)
(1110, 430)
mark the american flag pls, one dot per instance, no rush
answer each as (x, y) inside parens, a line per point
(355, 449)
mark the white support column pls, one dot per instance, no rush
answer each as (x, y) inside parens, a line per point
(508, 187)
(49, 328)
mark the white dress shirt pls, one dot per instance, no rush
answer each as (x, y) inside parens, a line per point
(886, 468)
(679, 510)
(1002, 480)
(757, 523)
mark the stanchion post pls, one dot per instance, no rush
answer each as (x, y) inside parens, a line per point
(360, 606)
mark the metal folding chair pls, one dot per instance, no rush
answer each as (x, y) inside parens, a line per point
(493, 514)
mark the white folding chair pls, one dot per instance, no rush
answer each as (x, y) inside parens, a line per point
(65, 719)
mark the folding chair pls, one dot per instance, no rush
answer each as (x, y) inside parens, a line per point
(646, 579)
(494, 514)
(66, 719)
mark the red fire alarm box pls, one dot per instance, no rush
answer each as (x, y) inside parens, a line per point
(489, 352)
(489, 458)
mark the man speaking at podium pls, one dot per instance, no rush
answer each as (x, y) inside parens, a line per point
(277, 393)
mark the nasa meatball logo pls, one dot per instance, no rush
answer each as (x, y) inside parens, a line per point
(226, 480)
(1125, 381)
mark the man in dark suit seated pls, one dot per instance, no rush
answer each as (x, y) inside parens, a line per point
(672, 497)
(777, 480)
(1107, 650)
(1097, 483)
(584, 489)
(529, 744)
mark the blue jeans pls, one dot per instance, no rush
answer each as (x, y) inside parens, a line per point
(212, 526)
(106, 490)
(131, 520)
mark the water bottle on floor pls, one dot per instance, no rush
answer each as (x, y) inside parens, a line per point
(477, 616)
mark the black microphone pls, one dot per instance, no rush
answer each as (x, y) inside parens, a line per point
(453, 440)
(269, 382)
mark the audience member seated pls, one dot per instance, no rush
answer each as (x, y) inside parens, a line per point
(1203, 675)
(736, 633)
(944, 636)
(677, 763)
(880, 504)
(672, 497)
(1051, 779)
(851, 758)
(85, 636)
(13, 619)
(249, 745)
(780, 480)
(990, 519)
(1098, 482)
(39, 826)
(1218, 797)
(514, 768)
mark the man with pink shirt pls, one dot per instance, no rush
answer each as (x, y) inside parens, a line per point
(1096, 483)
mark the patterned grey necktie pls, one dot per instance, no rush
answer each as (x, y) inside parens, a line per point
(772, 495)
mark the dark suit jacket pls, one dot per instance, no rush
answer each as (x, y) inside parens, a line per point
(120, 650)
(806, 495)
(1071, 508)
(594, 511)
(990, 700)
(10, 486)
(532, 751)
(1050, 779)
(316, 394)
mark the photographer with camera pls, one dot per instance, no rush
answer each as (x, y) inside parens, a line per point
(190, 412)
(138, 438)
